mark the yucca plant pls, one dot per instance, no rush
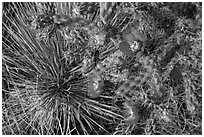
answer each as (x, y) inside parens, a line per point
(42, 94)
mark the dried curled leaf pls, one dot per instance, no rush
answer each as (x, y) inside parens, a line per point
(130, 112)
(95, 85)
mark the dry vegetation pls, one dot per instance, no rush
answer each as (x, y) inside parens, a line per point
(102, 68)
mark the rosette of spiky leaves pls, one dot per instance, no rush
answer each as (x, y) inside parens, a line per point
(43, 97)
